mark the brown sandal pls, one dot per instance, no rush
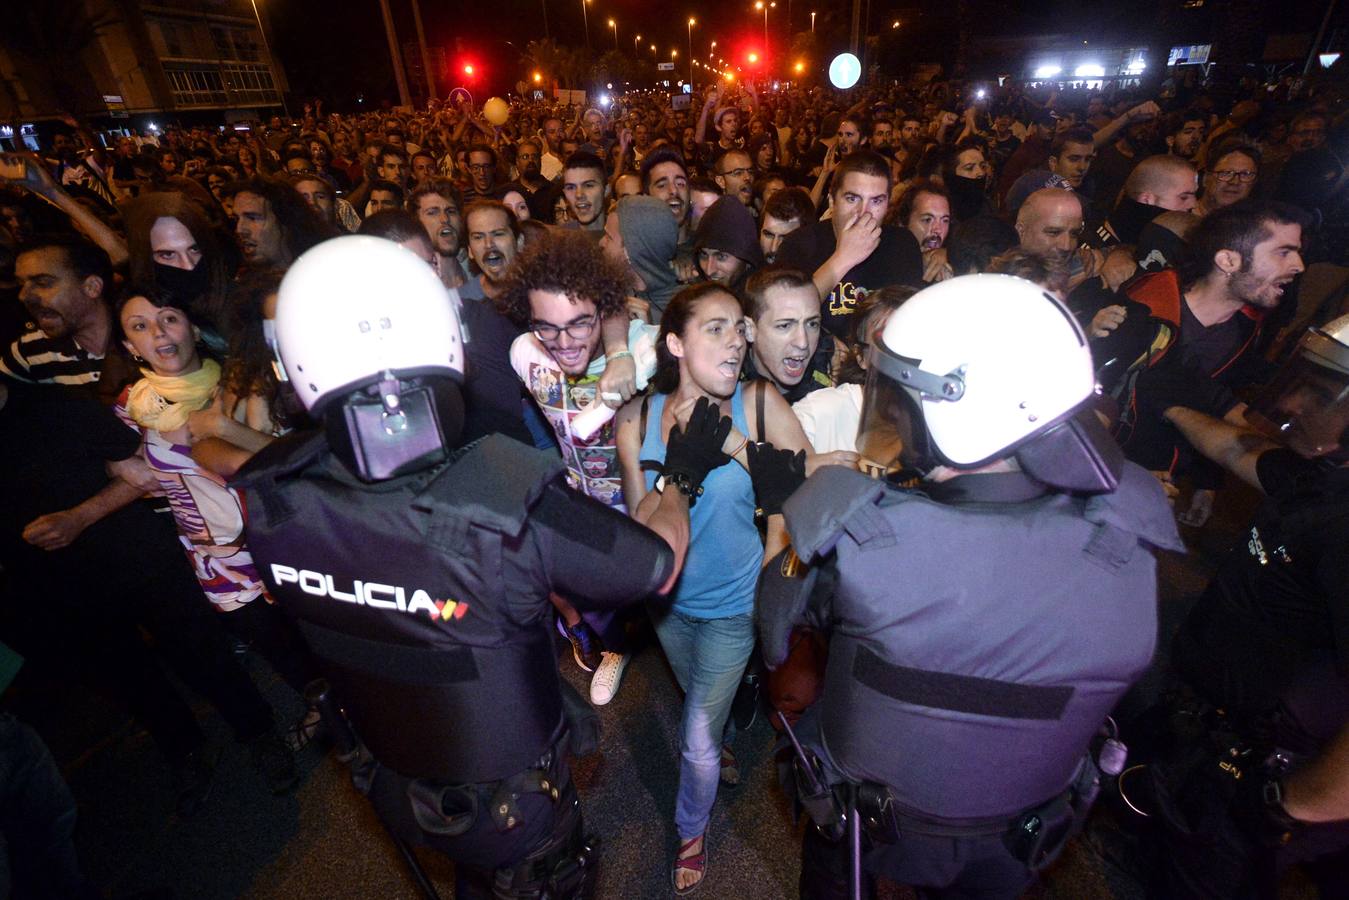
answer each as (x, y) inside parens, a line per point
(694, 863)
(730, 768)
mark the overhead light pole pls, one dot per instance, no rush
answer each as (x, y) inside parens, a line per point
(692, 22)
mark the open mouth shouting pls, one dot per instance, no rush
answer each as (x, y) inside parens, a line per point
(494, 263)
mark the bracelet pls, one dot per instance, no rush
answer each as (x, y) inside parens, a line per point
(621, 354)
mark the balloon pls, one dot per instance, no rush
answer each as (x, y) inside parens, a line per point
(496, 111)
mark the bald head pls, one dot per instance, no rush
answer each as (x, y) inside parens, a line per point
(1166, 181)
(1049, 223)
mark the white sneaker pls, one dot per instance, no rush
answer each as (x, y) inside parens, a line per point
(608, 675)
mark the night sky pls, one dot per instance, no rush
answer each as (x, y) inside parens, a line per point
(338, 56)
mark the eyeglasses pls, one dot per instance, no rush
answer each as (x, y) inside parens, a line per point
(738, 173)
(1245, 177)
(578, 330)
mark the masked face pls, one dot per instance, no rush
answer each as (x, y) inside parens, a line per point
(171, 244)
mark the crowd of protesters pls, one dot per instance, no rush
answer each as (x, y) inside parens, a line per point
(632, 256)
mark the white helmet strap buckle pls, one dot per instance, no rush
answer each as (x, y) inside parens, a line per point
(909, 373)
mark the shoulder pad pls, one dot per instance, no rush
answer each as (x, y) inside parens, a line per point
(495, 483)
(1138, 505)
(817, 513)
(283, 456)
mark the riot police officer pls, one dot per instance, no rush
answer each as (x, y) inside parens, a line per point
(419, 571)
(1267, 644)
(983, 623)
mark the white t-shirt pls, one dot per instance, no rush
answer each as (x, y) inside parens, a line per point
(830, 417)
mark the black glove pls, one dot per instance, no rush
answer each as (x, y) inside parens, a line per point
(692, 453)
(776, 475)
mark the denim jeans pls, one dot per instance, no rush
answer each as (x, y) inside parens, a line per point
(708, 657)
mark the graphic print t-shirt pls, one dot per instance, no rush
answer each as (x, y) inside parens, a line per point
(209, 516)
(592, 466)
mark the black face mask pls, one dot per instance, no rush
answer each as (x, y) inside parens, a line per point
(967, 197)
(185, 285)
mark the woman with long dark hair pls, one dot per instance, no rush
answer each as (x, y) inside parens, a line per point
(178, 387)
(708, 631)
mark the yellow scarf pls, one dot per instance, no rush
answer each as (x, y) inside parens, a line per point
(163, 402)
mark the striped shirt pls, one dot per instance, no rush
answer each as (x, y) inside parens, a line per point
(34, 357)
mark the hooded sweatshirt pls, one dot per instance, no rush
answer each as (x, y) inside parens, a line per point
(729, 227)
(650, 235)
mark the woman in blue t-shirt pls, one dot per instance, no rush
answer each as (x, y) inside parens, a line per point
(708, 631)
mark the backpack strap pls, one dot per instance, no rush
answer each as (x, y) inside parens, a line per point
(762, 385)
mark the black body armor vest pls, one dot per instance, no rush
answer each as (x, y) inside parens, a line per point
(403, 591)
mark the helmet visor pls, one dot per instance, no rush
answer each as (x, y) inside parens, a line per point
(1306, 406)
(891, 437)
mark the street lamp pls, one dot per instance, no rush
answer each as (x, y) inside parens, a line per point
(653, 52)
(692, 22)
(635, 49)
(712, 49)
(759, 4)
(585, 20)
(614, 26)
(812, 22)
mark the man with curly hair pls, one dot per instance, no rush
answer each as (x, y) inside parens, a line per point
(563, 289)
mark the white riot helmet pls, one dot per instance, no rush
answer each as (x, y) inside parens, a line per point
(1307, 404)
(981, 367)
(371, 342)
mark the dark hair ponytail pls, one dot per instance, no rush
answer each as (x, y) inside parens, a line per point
(673, 321)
